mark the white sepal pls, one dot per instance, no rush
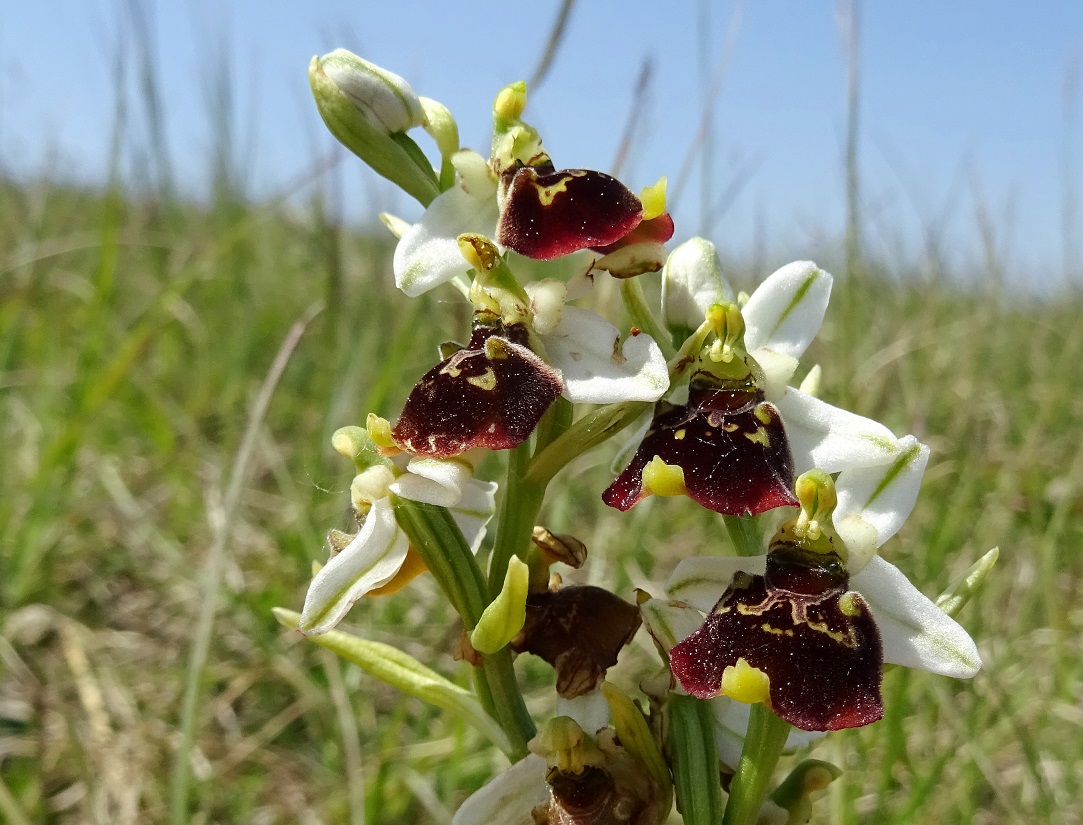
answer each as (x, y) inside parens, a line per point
(547, 299)
(590, 710)
(731, 726)
(831, 439)
(596, 369)
(428, 254)
(433, 481)
(369, 561)
(474, 509)
(509, 797)
(882, 496)
(692, 280)
(914, 631)
(786, 310)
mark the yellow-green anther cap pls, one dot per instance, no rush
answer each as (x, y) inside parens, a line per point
(504, 617)
(513, 140)
(356, 444)
(495, 288)
(565, 746)
(369, 109)
(813, 526)
(729, 328)
(509, 105)
(381, 97)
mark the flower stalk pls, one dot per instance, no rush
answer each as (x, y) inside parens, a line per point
(440, 543)
(764, 742)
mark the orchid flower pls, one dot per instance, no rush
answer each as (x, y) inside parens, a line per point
(583, 769)
(379, 559)
(735, 446)
(808, 627)
(526, 349)
(781, 318)
(522, 202)
(671, 622)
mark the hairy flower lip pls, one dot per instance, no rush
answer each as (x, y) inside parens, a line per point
(490, 394)
(817, 644)
(730, 445)
(547, 214)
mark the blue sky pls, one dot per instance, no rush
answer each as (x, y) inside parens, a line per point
(963, 111)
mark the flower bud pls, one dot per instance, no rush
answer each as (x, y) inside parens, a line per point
(381, 97)
(369, 109)
(441, 126)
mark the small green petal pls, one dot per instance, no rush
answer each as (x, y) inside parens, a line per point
(505, 616)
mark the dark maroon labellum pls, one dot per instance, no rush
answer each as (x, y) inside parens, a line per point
(579, 630)
(547, 215)
(491, 394)
(817, 643)
(731, 446)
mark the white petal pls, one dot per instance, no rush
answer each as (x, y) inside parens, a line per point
(584, 347)
(428, 254)
(547, 299)
(433, 481)
(786, 310)
(831, 439)
(880, 496)
(590, 711)
(633, 260)
(692, 280)
(509, 797)
(370, 560)
(701, 580)
(915, 632)
(474, 509)
(778, 369)
(670, 623)
(474, 173)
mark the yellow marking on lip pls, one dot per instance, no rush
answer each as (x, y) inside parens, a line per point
(759, 437)
(486, 381)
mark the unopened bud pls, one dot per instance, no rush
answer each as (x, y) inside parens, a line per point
(381, 97)
(369, 110)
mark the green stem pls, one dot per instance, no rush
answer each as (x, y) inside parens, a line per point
(635, 303)
(585, 434)
(764, 742)
(433, 533)
(744, 534)
(518, 513)
(694, 752)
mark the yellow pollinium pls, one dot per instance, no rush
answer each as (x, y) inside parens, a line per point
(663, 479)
(746, 683)
(511, 101)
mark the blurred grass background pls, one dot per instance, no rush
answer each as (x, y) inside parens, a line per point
(136, 333)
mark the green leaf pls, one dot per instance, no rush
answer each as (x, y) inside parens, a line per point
(402, 671)
(695, 760)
